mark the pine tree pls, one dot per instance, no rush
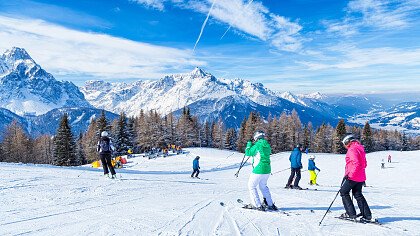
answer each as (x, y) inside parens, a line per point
(320, 139)
(339, 133)
(121, 140)
(230, 139)
(102, 124)
(217, 134)
(64, 144)
(131, 132)
(405, 143)
(367, 140)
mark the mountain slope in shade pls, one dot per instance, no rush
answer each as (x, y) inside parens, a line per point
(26, 87)
(79, 120)
(6, 118)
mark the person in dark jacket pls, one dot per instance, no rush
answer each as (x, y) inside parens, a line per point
(105, 149)
(196, 167)
(296, 164)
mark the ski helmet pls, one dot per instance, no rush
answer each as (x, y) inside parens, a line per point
(258, 135)
(104, 134)
(311, 157)
(298, 145)
(347, 139)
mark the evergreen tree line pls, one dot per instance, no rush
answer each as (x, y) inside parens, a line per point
(150, 130)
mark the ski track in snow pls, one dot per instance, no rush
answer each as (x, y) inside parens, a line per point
(157, 197)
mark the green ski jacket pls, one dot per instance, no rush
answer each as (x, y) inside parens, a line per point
(260, 153)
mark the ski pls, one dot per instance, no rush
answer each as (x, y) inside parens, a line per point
(250, 207)
(309, 189)
(357, 220)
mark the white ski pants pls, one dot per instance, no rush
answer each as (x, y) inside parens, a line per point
(261, 181)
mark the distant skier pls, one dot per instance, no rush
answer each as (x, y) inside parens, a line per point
(196, 167)
(311, 168)
(261, 169)
(382, 164)
(105, 149)
(354, 178)
(296, 164)
(389, 158)
(307, 151)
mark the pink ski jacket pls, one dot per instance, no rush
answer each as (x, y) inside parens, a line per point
(356, 162)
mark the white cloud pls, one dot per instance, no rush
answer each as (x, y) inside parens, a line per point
(65, 51)
(246, 16)
(351, 57)
(157, 4)
(375, 14)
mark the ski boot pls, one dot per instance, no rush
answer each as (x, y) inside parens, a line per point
(272, 208)
(347, 216)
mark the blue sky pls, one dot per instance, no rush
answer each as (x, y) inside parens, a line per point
(302, 46)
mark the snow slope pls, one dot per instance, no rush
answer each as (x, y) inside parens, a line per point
(157, 197)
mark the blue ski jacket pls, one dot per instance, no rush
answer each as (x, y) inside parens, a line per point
(196, 166)
(296, 159)
(311, 165)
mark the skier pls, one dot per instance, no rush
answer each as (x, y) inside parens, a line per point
(296, 164)
(389, 158)
(383, 164)
(196, 167)
(354, 178)
(311, 168)
(260, 153)
(105, 149)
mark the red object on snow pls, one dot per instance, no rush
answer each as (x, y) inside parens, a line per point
(123, 161)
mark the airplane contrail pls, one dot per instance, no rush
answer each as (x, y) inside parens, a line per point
(204, 25)
(230, 26)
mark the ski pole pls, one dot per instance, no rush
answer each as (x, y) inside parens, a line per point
(280, 171)
(241, 165)
(332, 202)
(226, 158)
(81, 173)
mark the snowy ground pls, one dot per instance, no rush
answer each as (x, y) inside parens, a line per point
(157, 197)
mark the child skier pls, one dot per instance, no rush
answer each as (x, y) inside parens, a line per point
(260, 153)
(196, 167)
(311, 168)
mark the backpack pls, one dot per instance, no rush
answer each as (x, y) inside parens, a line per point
(104, 146)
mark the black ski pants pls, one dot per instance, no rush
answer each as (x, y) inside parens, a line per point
(106, 163)
(196, 172)
(292, 176)
(356, 188)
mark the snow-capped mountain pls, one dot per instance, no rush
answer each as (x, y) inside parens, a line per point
(404, 117)
(207, 96)
(26, 87)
